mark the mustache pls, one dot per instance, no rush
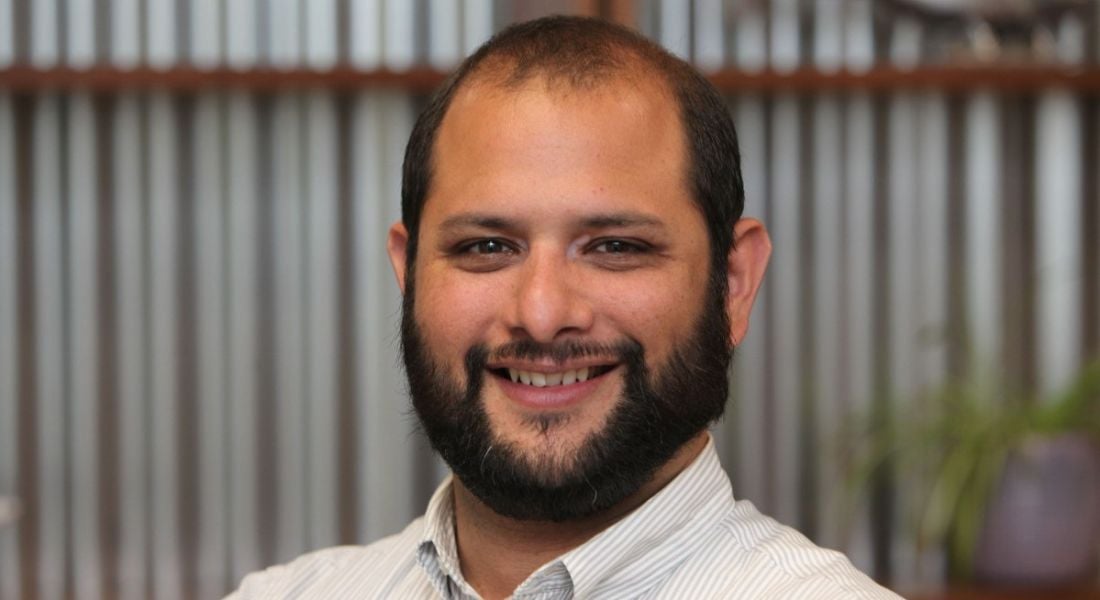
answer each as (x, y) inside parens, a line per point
(560, 352)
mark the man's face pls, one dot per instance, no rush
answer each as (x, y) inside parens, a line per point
(562, 325)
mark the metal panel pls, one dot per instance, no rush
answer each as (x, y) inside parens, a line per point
(206, 33)
(382, 121)
(242, 48)
(320, 34)
(285, 43)
(444, 33)
(828, 34)
(160, 33)
(45, 46)
(752, 355)
(125, 33)
(859, 253)
(398, 35)
(80, 43)
(290, 282)
(9, 362)
(83, 354)
(785, 39)
(751, 38)
(163, 360)
(477, 23)
(49, 289)
(366, 33)
(982, 165)
(710, 35)
(243, 266)
(1057, 276)
(828, 312)
(321, 310)
(129, 297)
(210, 280)
(675, 23)
(786, 308)
(859, 35)
(7, 32)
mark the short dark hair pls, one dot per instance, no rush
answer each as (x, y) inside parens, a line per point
(583, 52)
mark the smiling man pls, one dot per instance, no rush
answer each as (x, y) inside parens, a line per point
(576, 275)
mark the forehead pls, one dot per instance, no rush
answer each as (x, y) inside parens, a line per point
(538, 144)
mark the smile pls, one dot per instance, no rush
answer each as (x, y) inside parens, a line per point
(540, 379)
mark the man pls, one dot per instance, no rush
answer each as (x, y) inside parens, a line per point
(575, 274)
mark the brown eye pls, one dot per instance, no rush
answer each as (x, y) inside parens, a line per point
(619, 247)
(487, 247)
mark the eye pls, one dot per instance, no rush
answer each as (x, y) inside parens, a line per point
(619, 247)
(482, 255)
(489, 246)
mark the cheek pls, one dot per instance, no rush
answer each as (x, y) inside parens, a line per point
(658, 309)
(453, 315)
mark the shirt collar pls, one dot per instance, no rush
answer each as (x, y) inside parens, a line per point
(639, 550)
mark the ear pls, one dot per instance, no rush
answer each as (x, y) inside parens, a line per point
(748, 259)
(397, 246)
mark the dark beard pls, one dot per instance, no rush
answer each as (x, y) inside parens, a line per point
(645, 428)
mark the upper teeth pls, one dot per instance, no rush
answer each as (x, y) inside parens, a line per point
(544, 379)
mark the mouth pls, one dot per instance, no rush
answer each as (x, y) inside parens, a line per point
(541, 379)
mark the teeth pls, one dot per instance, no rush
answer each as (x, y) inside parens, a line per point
(547, 379)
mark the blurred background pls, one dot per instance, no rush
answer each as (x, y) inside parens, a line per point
(199, 373)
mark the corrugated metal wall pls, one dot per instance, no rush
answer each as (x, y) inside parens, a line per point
(198, 360)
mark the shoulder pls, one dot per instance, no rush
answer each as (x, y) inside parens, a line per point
(751, 555)
(305, 575)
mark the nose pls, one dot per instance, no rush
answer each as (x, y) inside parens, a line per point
(548, 302)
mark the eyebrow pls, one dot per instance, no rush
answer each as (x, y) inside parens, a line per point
(598, 221)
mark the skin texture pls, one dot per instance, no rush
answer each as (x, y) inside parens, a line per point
(554, 215)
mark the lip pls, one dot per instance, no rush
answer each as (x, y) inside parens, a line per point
(556, 397)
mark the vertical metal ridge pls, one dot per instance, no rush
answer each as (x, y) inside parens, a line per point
(321, 323)
(107, 453)
(164, 312)
(242, 235)
(49, 285)
(210, 281)
(28, 477)
(984, 215)
(129, 253)
(7, 32)
(291, 395)
(9, 358)
(858, 227)
(828, 307)
(1057, 274)
(186, 325)
(83, 358)
(349, 361)
(45, 43)
(266, 423)
(751, 120)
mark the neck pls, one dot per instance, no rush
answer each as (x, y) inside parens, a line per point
(498, 553)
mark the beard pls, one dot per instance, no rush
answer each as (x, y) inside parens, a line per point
(660, 410)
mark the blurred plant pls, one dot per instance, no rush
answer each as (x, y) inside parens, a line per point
(952, 444)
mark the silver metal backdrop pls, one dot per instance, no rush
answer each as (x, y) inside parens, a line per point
(199, 372)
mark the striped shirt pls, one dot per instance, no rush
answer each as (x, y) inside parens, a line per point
(690, 540)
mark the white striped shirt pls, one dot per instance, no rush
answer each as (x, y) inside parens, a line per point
(690, 540)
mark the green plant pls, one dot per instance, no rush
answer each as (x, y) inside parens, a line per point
(952, 442)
